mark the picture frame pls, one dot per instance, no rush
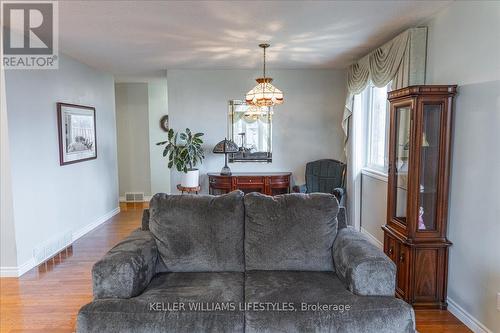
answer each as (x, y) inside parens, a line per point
(77, 133)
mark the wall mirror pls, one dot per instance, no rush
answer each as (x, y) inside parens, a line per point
(250, 127)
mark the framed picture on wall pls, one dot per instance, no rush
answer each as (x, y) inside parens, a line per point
(77, 133)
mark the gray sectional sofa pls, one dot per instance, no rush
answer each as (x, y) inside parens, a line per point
(244, 263)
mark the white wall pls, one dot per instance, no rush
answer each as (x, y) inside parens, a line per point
(464, 48)
(158, 107)
(132, 126)
(8, 253)
(50, 200)
(305, 128)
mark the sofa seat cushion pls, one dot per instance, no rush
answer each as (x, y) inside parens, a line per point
(365, 314)
(154, 310)
(199, 233)
(290, 232)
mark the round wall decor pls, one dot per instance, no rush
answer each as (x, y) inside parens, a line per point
(164, 123)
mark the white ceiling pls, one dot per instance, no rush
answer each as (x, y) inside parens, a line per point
(143, 38)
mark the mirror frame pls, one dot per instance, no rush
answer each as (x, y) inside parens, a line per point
(259, 156)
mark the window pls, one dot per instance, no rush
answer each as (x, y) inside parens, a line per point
(376, 127)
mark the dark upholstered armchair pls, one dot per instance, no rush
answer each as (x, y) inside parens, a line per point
(325, 176)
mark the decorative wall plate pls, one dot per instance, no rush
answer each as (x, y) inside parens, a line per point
(164, 123)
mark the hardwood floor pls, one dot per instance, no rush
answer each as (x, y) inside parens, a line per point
(48, 299)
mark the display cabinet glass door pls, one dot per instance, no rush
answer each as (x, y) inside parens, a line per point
(401, 153)
(429, 166)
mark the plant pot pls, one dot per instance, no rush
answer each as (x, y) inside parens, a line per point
(191, 178)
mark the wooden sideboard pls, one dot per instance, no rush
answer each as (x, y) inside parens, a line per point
(270, 183)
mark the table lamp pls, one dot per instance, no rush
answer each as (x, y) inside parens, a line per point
(225, 147)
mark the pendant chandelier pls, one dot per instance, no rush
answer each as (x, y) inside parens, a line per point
(264, 93)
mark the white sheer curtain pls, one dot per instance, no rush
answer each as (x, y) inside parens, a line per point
(401, 60)
(354, 162)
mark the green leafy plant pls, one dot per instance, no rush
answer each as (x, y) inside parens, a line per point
(183, 149)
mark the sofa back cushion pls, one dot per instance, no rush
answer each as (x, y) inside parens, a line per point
(290, 232)
(199, 233)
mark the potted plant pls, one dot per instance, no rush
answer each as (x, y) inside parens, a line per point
(184, 151)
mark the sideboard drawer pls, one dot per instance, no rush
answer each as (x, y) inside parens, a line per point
(280, 180)
(250, 180)
(219, 181)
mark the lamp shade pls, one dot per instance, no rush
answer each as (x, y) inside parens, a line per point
(225, 147)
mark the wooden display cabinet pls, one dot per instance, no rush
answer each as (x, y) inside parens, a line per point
(417, 198)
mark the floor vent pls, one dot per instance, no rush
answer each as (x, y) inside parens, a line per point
(134, 196)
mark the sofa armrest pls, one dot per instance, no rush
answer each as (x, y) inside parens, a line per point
(365, 269)
(338, 192)
(127, 268)
(299, 188)
(342, 218)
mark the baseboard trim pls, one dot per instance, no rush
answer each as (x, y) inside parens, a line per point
(8, 271)
(17, 271)
(372, 239)
(465, 317)
(11, 271)
(88, 228)
(26, 266)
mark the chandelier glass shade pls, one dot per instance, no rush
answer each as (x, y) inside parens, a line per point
(264, 93)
